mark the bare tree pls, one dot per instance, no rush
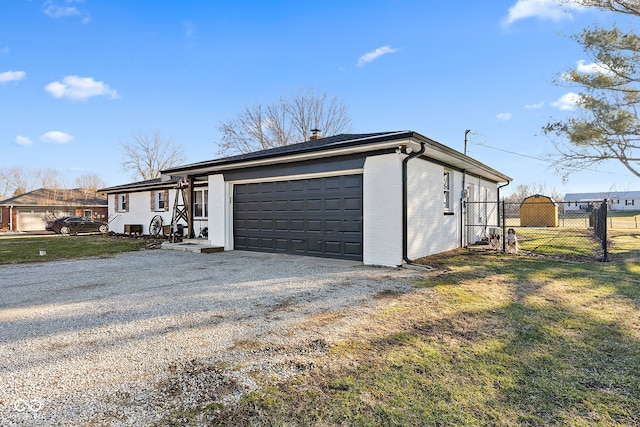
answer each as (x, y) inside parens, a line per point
(49, 178)
(17, 180)
(288, 121)
(523, 191)
(90, 182)
(147, 155)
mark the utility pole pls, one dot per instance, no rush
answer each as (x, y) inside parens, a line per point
(466, 132)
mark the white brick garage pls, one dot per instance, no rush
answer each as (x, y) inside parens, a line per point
(407, 203)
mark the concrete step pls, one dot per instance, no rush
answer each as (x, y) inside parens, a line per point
(193, 245)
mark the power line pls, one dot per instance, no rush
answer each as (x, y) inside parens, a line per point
(541, 159)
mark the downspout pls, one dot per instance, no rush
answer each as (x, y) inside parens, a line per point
(405, 198)
(500, 223)
(463, 196)
(498, 201)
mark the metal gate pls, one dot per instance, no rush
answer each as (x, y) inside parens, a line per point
(578, 231)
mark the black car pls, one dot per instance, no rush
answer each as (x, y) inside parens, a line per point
(76, 224)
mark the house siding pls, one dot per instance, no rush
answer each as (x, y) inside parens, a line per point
(139, 211)
(5, 218)
(382, 222)
(430, 231)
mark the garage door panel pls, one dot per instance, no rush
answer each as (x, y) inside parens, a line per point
(334, 205)
(281, 245)
(353, 248)
(353, 204)
(319, 216)
(353, 182)
(314, 226)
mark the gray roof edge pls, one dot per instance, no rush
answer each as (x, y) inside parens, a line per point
(353, 141)
(298, 148)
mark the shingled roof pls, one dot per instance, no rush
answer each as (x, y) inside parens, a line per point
(57, 197)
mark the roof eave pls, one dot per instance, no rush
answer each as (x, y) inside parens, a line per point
(434, 150)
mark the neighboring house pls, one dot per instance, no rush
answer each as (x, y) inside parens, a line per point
(30, 211)
(381, 198)
(617, 200)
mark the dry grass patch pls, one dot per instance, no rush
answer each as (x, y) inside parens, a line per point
(483, 339)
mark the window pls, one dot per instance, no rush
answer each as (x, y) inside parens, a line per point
(122, 202)
(87, 214)
(629, 202)
(200, 198)
(447, 191)
(159, 201)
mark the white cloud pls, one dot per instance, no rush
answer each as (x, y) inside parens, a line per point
(5, 50)
(22, 140)
(56, 137)
(368, 57)
(536, 106)
(12, 76)
(80, 88)
(567, 102)
(504, 117)
(543, 9)
(592, 68)
(64, 9)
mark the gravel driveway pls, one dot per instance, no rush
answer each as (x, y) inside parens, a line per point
(139, 338)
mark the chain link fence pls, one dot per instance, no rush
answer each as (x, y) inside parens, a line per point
(539, 226)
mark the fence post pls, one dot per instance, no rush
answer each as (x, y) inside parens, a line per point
(504, 226)
(605, 253)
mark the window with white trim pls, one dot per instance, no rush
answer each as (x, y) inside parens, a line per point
(447, 185)
(123, 202)
(159, 201)
(200, 198)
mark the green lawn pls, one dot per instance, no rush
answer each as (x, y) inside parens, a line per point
(25, 249)
(487, 340)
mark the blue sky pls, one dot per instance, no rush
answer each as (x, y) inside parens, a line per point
(80, 77)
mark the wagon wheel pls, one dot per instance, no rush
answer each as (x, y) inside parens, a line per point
(155, 227)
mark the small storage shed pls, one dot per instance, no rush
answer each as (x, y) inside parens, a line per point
(538, 211)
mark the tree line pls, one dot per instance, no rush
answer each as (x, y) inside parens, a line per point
(17, 180)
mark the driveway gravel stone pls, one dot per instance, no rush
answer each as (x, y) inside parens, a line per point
(144, 337)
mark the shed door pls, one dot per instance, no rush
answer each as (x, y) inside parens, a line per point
(318, 217)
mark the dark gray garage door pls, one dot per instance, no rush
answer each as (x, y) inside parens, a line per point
(318, 216)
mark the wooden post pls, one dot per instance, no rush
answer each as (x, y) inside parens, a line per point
(189, 203)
